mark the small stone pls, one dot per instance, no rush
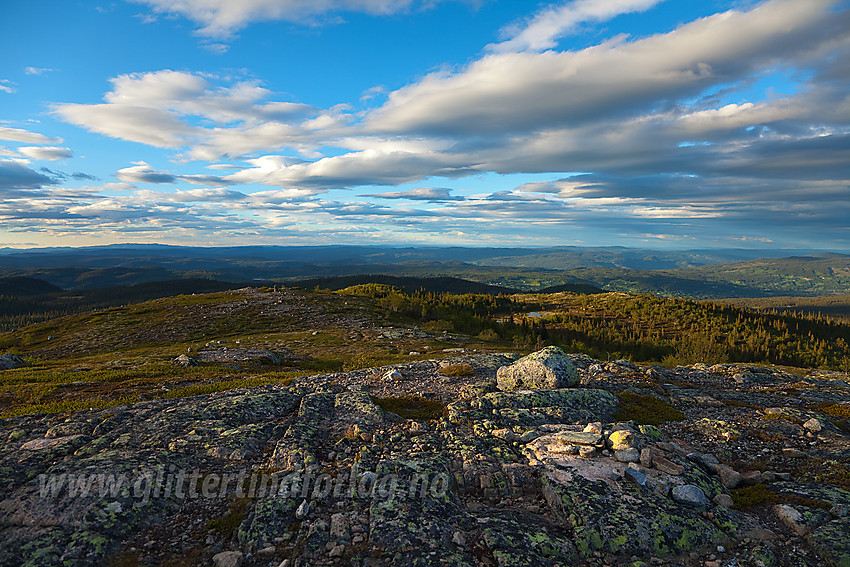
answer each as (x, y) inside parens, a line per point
(228, 559)
(393, 376)
(184, 360)
(636, 476)
(627, 455)
(793, 453)
(814, 425)
(587, 452)
(506, 434)
(792, 518)
(285, 563)
(337, 551)
(594, 427)
(270, 550)
(723, 500)
(768, 476)
(459, 539)
(622, 439)
(646, 456)
(689, 495)
(838, 511)
(729, 477)
(750, 478)
(529, 436)
(666, 466)
(579, 438)
(339, 526)
(303, 509)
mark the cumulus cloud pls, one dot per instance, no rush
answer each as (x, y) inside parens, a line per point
(159, 109)
(15, 176)
(221, 18)
(19, 135)
(651, 136)
(141, 172)
(492, 94)
(420, 194)
(48, 153)
(543, 29)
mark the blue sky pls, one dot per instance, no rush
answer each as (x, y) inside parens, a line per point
(650, 123)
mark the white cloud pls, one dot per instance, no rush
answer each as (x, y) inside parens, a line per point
(7, 86)
(49, 153)
(658, 124)
(221, 18)
(141, 172)
(162, 108)
(37, 70)
(544, 29)
(19, 135)
(516, 92)
(151, 126)
(434, 194)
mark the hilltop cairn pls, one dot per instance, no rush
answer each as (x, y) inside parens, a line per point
(546, 369)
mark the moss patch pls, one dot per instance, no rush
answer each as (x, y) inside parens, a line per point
(457, 370)
(228, 523)
(645, 409)
(412, 407)
(826, 472)
(747, 497)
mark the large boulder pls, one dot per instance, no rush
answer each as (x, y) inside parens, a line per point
(9, 361)
(545, 369)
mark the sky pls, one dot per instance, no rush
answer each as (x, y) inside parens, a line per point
(647, 123)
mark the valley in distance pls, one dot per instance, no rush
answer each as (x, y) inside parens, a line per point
(382, 406)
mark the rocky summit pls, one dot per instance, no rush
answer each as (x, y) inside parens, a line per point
(482, 459)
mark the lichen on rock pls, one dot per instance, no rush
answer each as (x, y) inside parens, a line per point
(549, 368)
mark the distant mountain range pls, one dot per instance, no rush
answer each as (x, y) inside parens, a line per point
(683, 273)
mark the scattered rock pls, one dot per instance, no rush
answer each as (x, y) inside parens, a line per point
(228, 559)
(184, 360)
(665, 465)
(545, 369)
(749, 478)
(636, 476)
(814, 425)
(729, 477)
(791, 518)
(392, 376)
(11, 361)
(723, 500)
(627, 455)
(689, 495)
(622, 439)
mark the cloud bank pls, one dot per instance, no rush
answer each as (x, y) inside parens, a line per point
(659, 135)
